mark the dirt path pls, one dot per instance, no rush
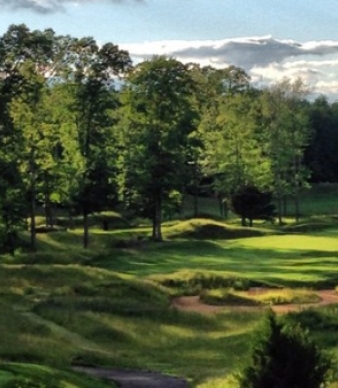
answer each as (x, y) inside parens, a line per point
(193, 304)
(134, 379)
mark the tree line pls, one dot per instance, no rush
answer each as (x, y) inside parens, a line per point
(85, 129)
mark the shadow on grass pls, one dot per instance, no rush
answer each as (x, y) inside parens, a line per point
(291, 266)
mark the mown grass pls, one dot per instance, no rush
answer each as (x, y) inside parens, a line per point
(284, 260)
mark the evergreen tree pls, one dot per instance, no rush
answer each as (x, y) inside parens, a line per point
(284, 356)
(251, 203)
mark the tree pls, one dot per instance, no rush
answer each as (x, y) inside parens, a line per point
(215, 89)
(159, 120)
(233, 152)
(284, 356)
(29, 60)
(37, 138)
(321, 156)
(93, 100)
(287, 135)
(250, 203)
(13, 208)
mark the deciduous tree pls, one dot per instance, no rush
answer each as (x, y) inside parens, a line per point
(160, 119)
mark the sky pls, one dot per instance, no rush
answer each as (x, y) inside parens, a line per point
(270, 39)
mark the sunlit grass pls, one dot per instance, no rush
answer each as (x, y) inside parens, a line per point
(280, 259)
(220, 382)
(285, 296)
(209, 229)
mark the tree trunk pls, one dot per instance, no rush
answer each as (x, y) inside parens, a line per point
(48, 211)
(196, 207)
(296, 188)
(221, 205)
(157, 219)
(279, 209)
(32, 199)
(85, 229)
(71, 224)
(285, 205)
(297, 212)
(32, 216)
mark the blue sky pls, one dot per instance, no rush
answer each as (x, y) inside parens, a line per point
(270, 39)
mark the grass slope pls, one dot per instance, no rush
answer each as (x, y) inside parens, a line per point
(63, 315)
(36, 376)
(207, 229)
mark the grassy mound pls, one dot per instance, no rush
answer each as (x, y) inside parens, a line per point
(209, 229)
(226, 297)
(308, 227)
(187, 282)
(43, 308)
(286, 296)
(231, 297)
(36, 376)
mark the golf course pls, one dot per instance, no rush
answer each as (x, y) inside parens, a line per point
(67, 312)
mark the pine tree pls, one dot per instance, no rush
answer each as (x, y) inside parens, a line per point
(284, 356)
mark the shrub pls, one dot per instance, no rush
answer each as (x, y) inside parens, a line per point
(252, 204)
(283, 356)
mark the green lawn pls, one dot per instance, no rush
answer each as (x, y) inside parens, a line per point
(285, 259)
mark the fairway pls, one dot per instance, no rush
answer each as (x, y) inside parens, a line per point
(113, 307)
(286, 259)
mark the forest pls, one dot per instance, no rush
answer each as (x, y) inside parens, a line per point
(85, 130)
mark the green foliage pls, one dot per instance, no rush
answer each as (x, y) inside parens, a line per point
(156, 136)
(284, 356)
(320, 154)
(250, 203)
(286, 135)
(233, 153)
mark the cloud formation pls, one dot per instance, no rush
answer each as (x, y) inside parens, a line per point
(266, 59)
(47, 6)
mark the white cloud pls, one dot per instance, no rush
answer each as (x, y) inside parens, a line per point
(266, 59)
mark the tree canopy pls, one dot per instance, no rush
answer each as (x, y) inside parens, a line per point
(83, 129)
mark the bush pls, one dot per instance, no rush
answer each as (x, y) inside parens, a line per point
(252, 204)
(284, 356)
